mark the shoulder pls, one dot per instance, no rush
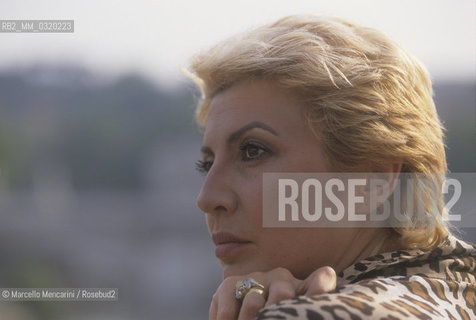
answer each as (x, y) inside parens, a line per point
(416, 297)
(421, 284)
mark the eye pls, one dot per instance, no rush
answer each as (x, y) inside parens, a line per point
(203, 166)
(252, 151)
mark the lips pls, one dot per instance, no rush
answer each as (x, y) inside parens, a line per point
(228, 244)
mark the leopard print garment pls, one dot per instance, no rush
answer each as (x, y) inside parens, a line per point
(419, 284)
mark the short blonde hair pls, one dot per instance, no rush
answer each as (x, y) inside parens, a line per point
(369, 101)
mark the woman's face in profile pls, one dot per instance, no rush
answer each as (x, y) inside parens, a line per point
(256, 127)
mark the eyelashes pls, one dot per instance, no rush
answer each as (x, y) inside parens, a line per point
(249, 151)
(203, 166)
(252, 150)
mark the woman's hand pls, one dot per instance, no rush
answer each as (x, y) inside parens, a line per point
(280, 285)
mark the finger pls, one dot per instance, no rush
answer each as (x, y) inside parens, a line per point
(224, 305)
(252, 303)
(227, 310)
(212, 311)
(281, 290)
(282, 285)
(320, 281)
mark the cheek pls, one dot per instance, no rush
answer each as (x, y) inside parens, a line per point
(250, 194)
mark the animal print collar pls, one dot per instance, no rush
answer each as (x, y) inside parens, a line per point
(454, 259)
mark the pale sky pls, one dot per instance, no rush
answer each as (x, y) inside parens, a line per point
(157, 37)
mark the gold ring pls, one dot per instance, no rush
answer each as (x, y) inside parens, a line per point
(259, 291)
(243, 287)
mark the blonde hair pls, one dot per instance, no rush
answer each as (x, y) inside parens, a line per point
(369, 101)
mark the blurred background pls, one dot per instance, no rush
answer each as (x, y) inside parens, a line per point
(98, 143)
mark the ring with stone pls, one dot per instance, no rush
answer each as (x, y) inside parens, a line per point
(243, 287)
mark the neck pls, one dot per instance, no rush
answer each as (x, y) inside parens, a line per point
(366, 243)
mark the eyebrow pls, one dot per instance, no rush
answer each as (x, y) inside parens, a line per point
(238, 133)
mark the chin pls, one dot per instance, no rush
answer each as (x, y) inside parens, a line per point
(240, 268)
(245, 268)
(235, 270)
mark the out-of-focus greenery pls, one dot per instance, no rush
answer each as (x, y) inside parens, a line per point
(98, 130)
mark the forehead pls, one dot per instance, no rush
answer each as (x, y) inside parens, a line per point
(254, 100)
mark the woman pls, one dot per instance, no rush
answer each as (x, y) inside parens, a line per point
(314, 94)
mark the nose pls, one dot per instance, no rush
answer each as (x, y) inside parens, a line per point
(217, 193)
